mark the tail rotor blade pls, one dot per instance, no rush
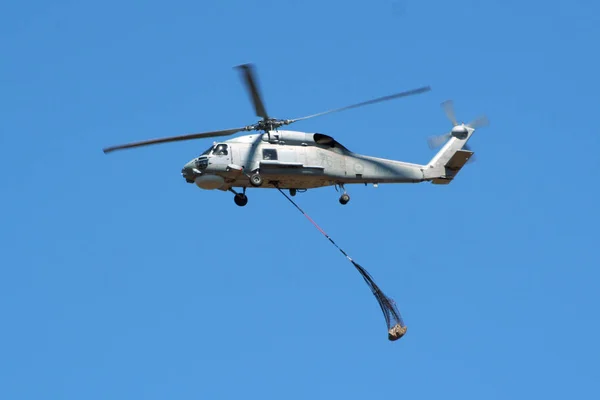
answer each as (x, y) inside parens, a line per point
(448, 107)
(479, 122)
(468, 148)
(436, 141)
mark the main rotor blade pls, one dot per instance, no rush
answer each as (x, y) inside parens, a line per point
(479, 122)
(252, 87)
(191, 136)
(364, 103)
(448, 107)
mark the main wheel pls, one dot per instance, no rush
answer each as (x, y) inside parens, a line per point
(256, 180)
(240, 199)
(344, 199)
(292, 192)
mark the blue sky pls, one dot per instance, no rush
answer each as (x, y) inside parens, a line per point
(121, 281)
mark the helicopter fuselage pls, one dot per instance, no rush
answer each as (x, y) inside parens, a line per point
(292, 160)
(295, 160)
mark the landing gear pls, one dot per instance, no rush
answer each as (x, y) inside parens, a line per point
(240, 199)
(292, 192)
(344, 199)
(256, 180)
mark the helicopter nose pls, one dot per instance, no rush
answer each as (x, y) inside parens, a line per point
(187, 171)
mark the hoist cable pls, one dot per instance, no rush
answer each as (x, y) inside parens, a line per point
(393, 319)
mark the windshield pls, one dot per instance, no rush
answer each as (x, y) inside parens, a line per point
(205, 153)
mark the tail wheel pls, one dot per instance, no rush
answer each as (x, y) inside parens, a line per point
(256, 180)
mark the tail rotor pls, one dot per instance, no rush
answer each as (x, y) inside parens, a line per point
(458, 130)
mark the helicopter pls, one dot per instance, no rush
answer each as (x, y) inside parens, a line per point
(298, 161)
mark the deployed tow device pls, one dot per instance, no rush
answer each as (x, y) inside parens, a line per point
(395, 324)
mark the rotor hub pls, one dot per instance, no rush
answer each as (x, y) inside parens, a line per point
(267, 125)
(460, 131)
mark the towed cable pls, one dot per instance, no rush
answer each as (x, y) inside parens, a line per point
(395, 324)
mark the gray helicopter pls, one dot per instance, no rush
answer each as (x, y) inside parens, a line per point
(298, 161)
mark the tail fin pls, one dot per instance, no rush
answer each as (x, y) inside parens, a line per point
(444, 166)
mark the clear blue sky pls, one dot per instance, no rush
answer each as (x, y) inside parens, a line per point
(120, 281)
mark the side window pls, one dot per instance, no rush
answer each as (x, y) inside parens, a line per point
(269, 154)
(221, 150)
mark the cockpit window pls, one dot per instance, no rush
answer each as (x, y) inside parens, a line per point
(207, 151)
(221, 150)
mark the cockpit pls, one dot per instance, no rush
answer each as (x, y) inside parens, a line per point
(220, 149)
(216, 155)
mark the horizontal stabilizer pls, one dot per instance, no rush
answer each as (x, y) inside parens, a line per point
(459, 159)
(453, 166)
